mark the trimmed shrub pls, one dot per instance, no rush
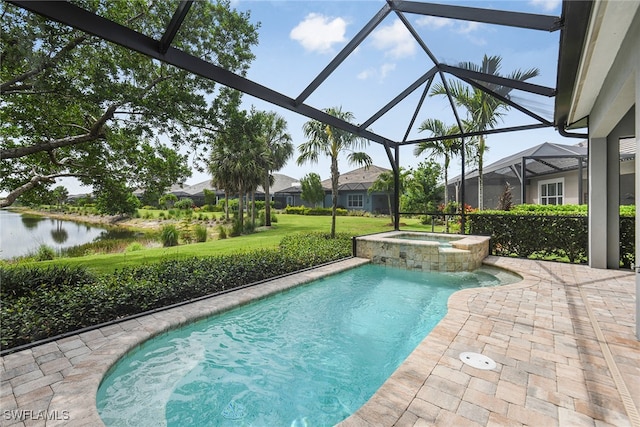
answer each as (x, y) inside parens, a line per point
(556, 232)
(40, 303)
(184, 204)
(21, 280)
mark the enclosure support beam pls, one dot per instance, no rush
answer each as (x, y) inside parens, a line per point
(523, 180)
(597, 203)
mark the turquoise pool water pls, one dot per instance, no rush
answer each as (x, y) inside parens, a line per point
(310, 356)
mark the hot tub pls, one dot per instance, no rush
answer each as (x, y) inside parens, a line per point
(424, 251)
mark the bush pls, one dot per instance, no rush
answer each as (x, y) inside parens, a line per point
(169, 235)
(44, 253)
(40, 303)
(236, 228)
(222, 232)
(200, 233)
(529, 235)
(262, 219)
(184, 204)
(302, 210)
(133, 247)
(21, 280)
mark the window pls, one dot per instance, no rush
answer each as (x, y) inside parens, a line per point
(552, 192)
(355, 201)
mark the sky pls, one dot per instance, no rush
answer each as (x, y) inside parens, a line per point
(298, 39)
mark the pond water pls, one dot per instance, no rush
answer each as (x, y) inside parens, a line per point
(23, 234)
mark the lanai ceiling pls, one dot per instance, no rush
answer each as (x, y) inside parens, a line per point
(534, 103)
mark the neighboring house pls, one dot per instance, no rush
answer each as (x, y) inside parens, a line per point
(195, 192)
(292, 196)
(353, 191)
(547, 174)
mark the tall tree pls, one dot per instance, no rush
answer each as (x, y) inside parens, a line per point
(483, 109)
(385, 183)
(312, 190)
(422, 192)
(446, 148)
(329, 141)
(238, 157)
(279, 150)
(60, 194)
(74, 105)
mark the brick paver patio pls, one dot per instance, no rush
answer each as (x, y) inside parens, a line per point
(563, 341)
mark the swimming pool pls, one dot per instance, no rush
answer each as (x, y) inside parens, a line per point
(308, 356)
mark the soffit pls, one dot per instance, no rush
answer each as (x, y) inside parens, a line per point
(610, 21)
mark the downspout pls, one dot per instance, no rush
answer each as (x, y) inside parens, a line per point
(580, 174)
(562, 130)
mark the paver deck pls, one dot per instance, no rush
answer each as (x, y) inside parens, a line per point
(563, 340)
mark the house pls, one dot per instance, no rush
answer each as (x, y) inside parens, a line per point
(195, 192)
(547, 174)
(599, 91)
(353, 190)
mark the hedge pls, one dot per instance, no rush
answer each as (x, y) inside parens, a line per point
(303, 210)
(41, 303)
(547, 232)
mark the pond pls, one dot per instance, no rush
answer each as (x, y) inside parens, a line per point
(22, 234)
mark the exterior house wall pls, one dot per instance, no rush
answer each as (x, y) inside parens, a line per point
(371, 202)
(570, 187)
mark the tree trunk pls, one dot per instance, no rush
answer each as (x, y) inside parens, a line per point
(267, 202)
(240, 217)
(253, 208)
(226, 206)
(335, 175)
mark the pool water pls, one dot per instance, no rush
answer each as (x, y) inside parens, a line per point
(444, 242)
(310, 356)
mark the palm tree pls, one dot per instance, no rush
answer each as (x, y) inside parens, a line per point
(483, 109)
(385, 183)
(330, 141)
(447, 148)
(238, 158)
(279, 150)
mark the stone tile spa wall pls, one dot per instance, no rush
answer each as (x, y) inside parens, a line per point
(424, 251)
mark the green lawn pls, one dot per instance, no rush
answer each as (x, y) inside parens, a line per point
(268, 238)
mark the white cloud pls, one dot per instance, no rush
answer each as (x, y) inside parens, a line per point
(364, 75)
(395, 40)
(386, 69)
(546, 5)
(434, 22)
(379, 73)
(318, 33)
(467, 27)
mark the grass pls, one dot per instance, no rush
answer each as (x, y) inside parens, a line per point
(265, 238)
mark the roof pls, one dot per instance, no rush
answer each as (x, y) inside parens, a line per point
(280, 181)
(357, 179)
(587, 54)
(547, 158)
(541, 159)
